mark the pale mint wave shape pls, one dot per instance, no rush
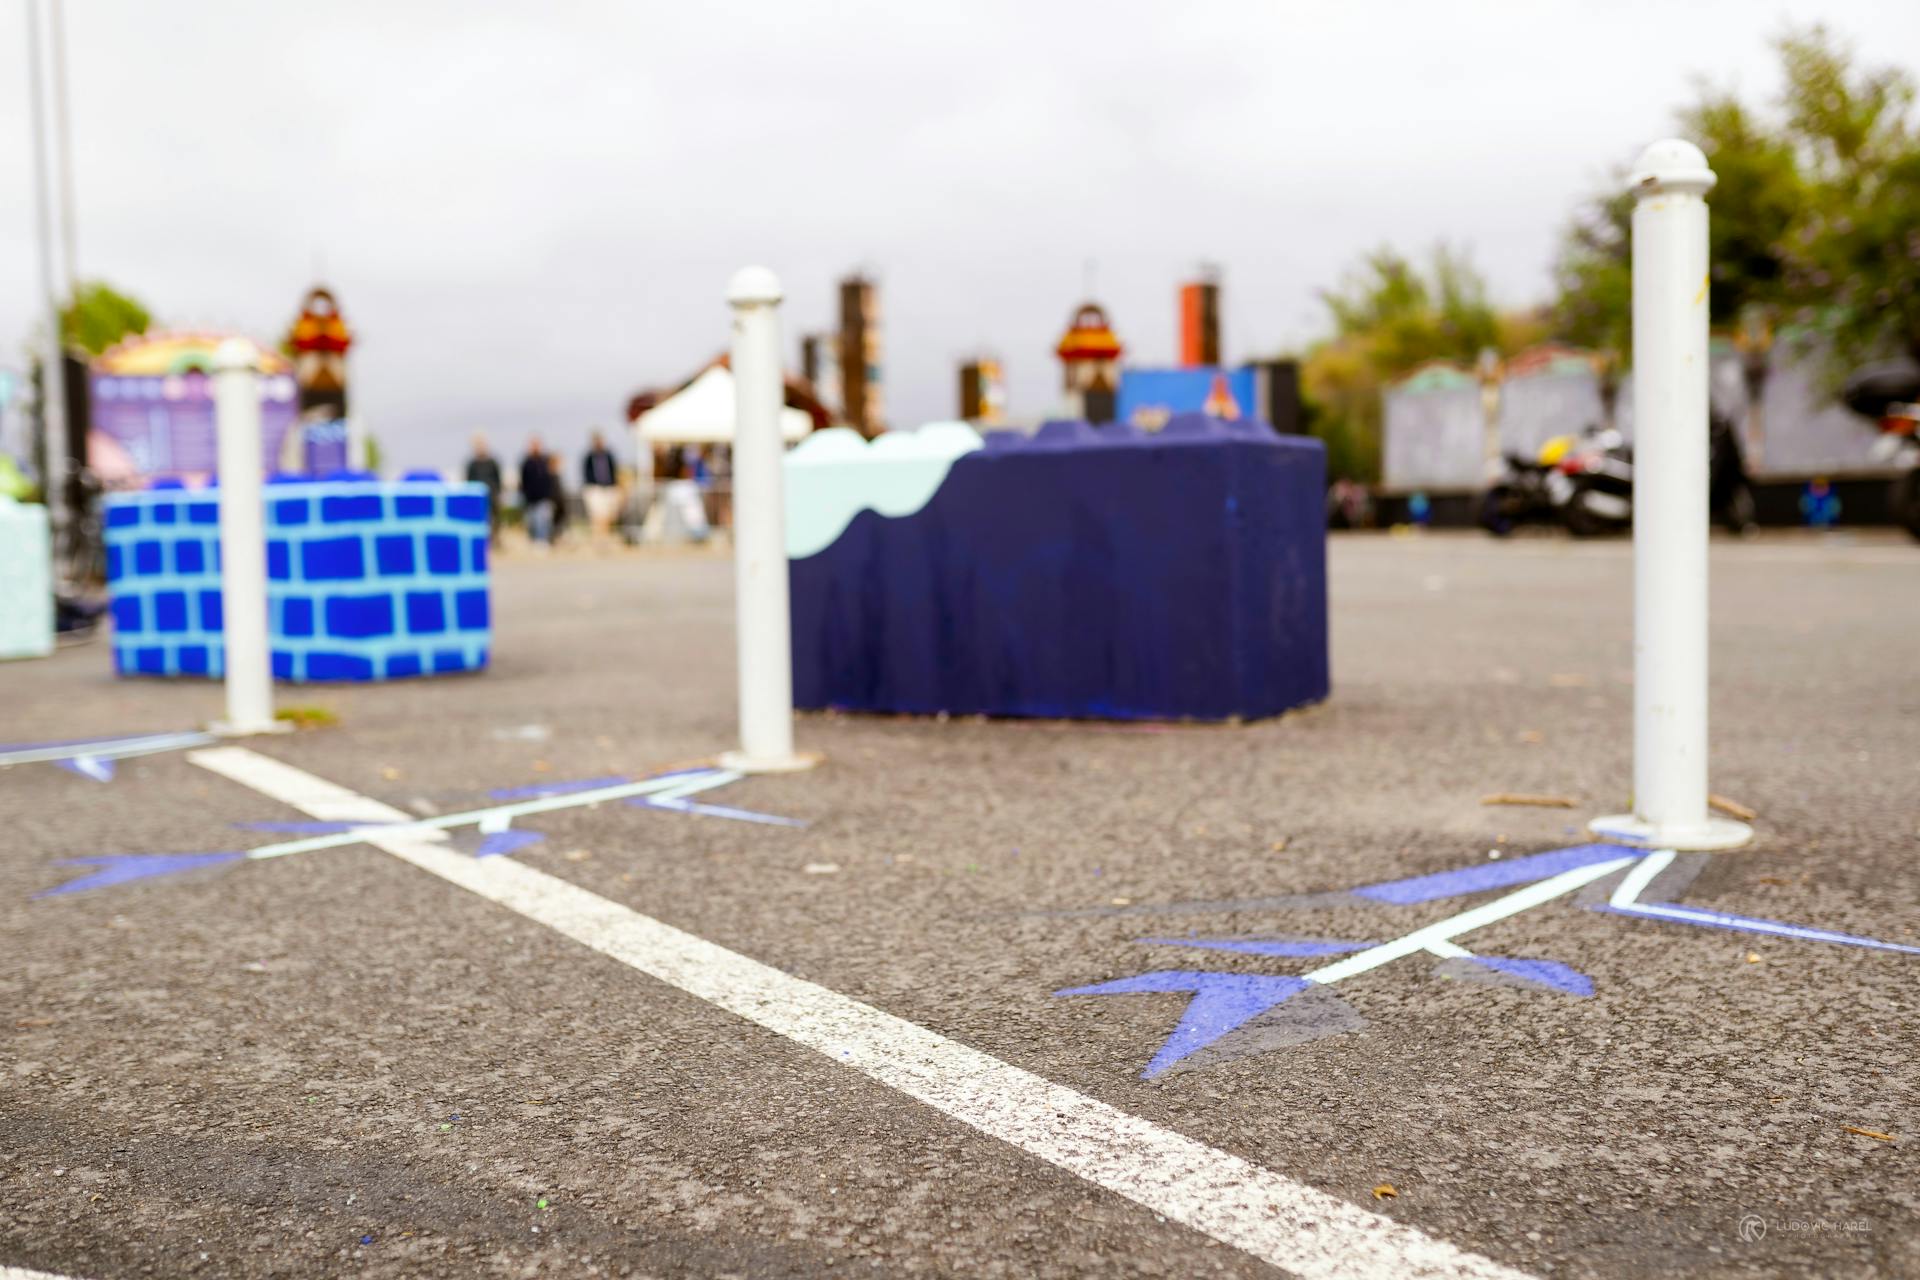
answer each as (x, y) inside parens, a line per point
(834, 475)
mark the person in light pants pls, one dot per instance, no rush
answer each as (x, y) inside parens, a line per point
(600, 486)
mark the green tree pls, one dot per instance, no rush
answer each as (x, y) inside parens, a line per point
(1407, 319)
(1389, 318)
(1594, 277)
(1854, 260)
(1756, 200)
(100, 316)
(1816, 211)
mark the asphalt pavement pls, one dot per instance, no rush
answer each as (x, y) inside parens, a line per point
(401, 1058)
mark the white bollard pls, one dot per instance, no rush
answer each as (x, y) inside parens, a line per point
(1670, 389)
(759, 531)
(243, 543)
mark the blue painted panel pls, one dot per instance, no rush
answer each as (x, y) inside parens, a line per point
(1087, 572)
(1149, 397)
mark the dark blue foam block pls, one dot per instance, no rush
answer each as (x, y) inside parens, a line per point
(1084, 573)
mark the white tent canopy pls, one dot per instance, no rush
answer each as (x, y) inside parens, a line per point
(702, 412)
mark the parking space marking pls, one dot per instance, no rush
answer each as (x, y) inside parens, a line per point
(1251, 1208)
(21, 1273)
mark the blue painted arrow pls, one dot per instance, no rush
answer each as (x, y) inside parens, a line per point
(121, 868)
(499, 842)
(1221, 1002)
(1262, 946)
(1671, 913)
(1546, 973)
(1492, 875)
(99, 768)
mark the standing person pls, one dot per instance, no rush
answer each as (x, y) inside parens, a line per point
(538, 488)
(484, 468)
(600, 486)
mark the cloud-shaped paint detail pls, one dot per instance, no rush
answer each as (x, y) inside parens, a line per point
(834, 475)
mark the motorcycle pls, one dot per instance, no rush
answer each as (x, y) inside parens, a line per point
(1528, 490)
(1890, 393)
(1598, 475)
(1588, 482)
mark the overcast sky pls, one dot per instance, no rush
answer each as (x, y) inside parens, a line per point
(530, 211)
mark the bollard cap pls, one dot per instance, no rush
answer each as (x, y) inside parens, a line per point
(235, 353)
(753, 287)
(1671, 165)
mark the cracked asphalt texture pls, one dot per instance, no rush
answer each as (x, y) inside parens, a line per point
(332, 1063)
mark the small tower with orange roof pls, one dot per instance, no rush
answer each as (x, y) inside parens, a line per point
(1090, 361)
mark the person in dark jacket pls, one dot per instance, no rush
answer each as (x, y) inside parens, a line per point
(600, 486)
(484, 468)
(538, 489)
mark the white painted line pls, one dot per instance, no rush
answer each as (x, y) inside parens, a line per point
(694, 785)
(106, 748)
(348, 807)
(1467, 921)
(21, 1273)
(1448, 950)
(1266, 1214)
(1635, 882)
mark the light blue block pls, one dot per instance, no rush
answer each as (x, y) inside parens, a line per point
(26, 581)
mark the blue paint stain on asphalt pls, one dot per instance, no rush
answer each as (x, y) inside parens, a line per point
(1673, 913)
(1548, 973)
(122, 868)
(1221, 1002)
(1262, 946)
(714, 811)
(1492, 875)
(304, 828)
(540, 790)
(500, 842)
(114, 869)
(89, 767)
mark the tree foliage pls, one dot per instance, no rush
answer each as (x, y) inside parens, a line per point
(1390, 317)
(1854, 255)
(1816, 211)
(99, 316)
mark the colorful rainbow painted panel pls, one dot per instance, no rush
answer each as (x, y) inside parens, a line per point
(1084, 572)
(366, 580)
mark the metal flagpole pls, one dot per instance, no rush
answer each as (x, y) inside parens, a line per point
(57, 444)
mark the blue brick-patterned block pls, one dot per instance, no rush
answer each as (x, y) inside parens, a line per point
(365, 580)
